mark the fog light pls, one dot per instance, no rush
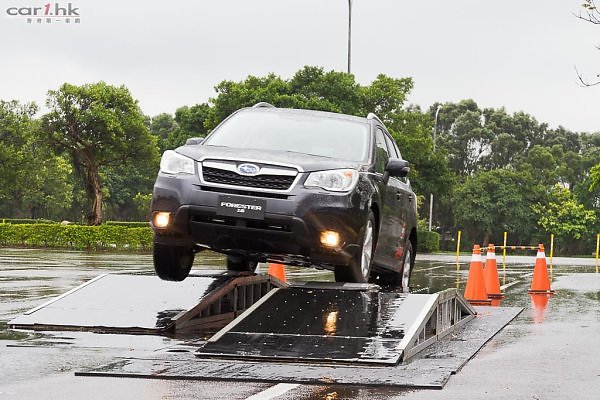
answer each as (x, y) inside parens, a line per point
(330, 239)
(161, 219)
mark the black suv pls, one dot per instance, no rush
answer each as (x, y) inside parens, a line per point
(297, 187)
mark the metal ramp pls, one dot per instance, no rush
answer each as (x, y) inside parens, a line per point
(265, 318)
(143, 304)
(348, 323)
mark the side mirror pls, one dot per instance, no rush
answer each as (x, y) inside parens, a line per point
(194, 140)
(397, 167)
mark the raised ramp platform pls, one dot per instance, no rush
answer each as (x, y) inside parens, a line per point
(431, 368)
(144, 304)
(339, 323)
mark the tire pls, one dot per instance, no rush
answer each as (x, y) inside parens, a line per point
(407, 267)
(172, 263)
(394, 279)
(359, 268)
(237, 263)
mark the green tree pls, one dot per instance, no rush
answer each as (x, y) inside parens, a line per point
(564, 217)
(464, 136)
(166, 130)
(142, 205)
(34, 182)
(122, 183)
(491, 202)
(191, 119)
(313, 88)
(512, 136)
(97, 125)
(595, 178)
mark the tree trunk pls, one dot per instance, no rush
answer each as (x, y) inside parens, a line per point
(486, 239)
(93, 192)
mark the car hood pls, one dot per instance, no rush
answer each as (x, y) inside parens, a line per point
(306, 161)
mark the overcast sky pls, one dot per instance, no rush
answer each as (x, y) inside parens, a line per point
(519, 54)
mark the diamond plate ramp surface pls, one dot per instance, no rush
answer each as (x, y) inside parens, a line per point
(322, 324)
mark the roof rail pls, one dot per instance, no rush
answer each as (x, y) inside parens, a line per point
(263, 104)
(375, 117)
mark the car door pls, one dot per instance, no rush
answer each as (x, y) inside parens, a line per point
(389, 207)
(405, 198)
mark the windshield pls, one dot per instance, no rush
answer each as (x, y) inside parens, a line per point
(296, 132)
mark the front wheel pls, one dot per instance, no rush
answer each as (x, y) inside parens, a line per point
(172, 263)
(359, 268)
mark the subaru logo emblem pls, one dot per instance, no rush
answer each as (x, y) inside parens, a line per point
(248, 169)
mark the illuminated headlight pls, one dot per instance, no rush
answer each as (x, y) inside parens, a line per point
(174, 163)
(161, 219)
(336, 180)
(330, 239)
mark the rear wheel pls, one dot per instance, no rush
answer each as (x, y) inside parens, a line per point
(359, 268)
(240, 264)
(172, 263)
(407, 267)
(398, 279)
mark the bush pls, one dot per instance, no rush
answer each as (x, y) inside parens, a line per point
(25, 221)
(128, 224)
(428, 242)
(78, 237)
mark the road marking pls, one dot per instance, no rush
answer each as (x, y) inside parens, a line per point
(274, 391)
(438, 267)
(504, 287)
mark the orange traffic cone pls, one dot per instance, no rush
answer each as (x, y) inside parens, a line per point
(277, 271)
(490, 275)
(475, 291)
(540, 282)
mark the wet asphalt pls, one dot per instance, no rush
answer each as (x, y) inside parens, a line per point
(550, 351)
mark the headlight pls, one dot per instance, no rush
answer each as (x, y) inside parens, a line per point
(337, 180)
(174, 163)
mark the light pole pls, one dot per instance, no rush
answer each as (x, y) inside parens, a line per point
(349, 32)
(437, 112)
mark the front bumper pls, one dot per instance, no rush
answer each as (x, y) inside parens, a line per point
(289, 232)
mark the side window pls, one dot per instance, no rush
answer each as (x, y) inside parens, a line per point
(392, 149)
(381, 152)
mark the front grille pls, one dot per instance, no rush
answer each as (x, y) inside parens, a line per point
(242, 192)
(224, 177)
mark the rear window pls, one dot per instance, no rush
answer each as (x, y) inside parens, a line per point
(295, 132)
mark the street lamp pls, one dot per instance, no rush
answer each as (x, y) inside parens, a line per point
(437, 112)
(349, 32)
